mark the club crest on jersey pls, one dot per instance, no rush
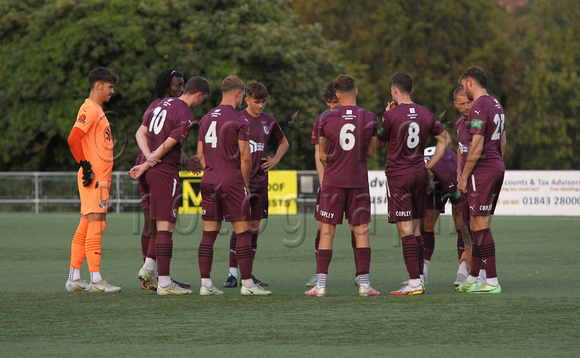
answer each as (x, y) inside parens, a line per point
(82, 119)
(313, 134)
(174, 213)
(266, 129)
(103, 203)
(476, 123)
(184, 135)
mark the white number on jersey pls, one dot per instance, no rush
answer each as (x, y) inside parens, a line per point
(347, 139)
(413, 138)
(158, 120)
(499, 121)
(211, 135)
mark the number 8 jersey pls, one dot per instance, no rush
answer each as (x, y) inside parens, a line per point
(407, 128)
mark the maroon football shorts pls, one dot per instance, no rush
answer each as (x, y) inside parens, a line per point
(406, 196)
(219, 202)
(483, 190)
(259, 202)
(144, 190)
(165, 196)
(355, 203)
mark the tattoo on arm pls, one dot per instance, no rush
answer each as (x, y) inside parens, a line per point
(323, 144)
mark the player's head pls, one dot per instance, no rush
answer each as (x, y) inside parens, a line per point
(345, 89)
(233, 86)
(199, 87)
(102, 82)
(256, 97)
(403, 82)
(461, 102)
(169, 83)
(472, 77)
(329, 94)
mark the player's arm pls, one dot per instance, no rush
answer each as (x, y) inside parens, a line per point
(443, 142)
(200, 156)
(141, 137)
(472, 158)
(372, 144)
(192, 165)
(323, 151)
(458, 163)
(270, 163)
(502, 144)
(319, 166)
(75, 143)
(246, 162)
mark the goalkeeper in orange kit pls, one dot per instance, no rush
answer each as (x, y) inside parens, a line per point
(91, 144)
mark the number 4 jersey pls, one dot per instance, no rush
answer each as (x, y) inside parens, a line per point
(348, 131)
(219, 131)
(406, 128)
(487, 118)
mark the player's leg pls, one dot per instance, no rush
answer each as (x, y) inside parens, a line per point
(323, 258)
(428, 234)
(314, 278)
(232, 280)
(463, 244)
(74, 281)
(255, 229)
(212, 216)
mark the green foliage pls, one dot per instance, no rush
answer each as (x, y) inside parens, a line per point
(528, 54)
(48, 48)
(547, 114)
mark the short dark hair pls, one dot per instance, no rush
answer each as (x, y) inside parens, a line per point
(198, 84)
(344, 84)
(102, 74)
(458, 92)
(163, 81)
(477, 73)
(257, 90)
(232, 83)
(329, 92)
(403, 82)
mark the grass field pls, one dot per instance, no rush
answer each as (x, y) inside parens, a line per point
(536, 315)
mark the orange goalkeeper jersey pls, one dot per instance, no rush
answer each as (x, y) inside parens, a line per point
(97, 142)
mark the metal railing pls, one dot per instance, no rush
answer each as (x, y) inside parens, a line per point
(58, 191)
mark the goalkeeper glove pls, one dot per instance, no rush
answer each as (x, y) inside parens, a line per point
(88, 174)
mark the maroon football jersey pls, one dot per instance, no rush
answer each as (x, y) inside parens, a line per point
(261, 129)
(140, 157)
(464, 139)
(445, 170)
(487, 118)
(219, 131)
(406, 128)
(348, 131)
(170, 117)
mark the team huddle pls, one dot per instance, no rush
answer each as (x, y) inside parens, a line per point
(232, 153)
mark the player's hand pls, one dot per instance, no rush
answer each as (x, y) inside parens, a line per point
(462, 185)
(390, 106)
(138, 170)
(466, 256)
(88, 174)
(268, 163)
(193, 165)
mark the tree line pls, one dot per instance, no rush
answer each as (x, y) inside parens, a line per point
(294, 48)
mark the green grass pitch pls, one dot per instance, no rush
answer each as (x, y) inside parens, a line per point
(536, 315)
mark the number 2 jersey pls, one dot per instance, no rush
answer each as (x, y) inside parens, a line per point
(348, 131)
(487, 118)
(406, 128)
(219, 131)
